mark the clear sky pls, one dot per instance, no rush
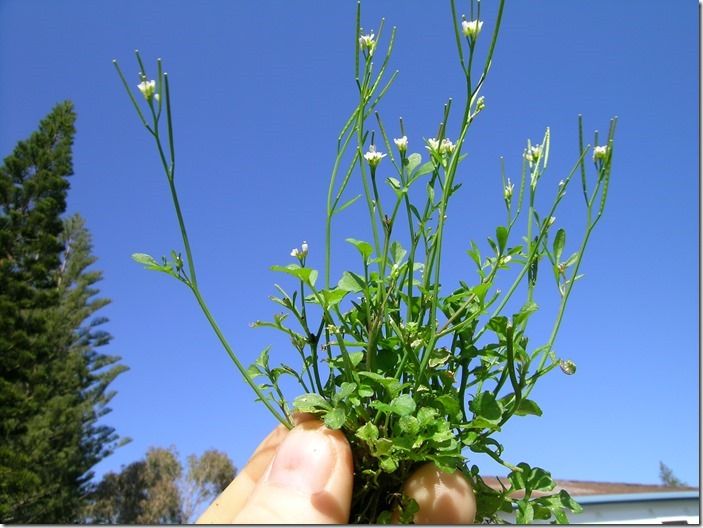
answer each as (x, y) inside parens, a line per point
(260, 90)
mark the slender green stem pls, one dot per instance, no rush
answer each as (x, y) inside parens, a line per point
(264, 399)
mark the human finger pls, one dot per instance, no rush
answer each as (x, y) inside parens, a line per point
(229, 503)
(308, 481)
(443, 498)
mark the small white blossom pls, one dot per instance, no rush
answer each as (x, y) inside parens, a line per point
(446, 147)
(480, 104)
(301, 253)
(373, 157)
(471, 28)
(508, 190)
(599, 153)
(533, 153)
(506, 259)
(433, 146)
(367, 43)
(551, 221)
(401, 143)
(147, 88)
(561, 183)
(440, 147)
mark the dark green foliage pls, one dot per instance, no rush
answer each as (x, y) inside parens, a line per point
(52, 380)
(667, 477)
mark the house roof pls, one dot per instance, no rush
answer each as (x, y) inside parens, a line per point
(581, 488)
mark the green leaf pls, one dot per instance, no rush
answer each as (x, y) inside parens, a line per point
(263, 359)
(426, 415)
(355, 358)
(364, 247)
(426, 168)
(568, 502)
(528, 407)
(398, 252)
(335, 418)
(409, 425)
(146, 260)
(413, 161)
(307, 275)
(392, 385)
(364, 390)
(351, 282)
(527, 309)
(486, 406)
(502, 237)
(450, 404)
(388, 464)
(333, 297)
(311, 402)
(394, 183)
(403, 405)
(558, 246)
(346, 389)
(367, 432)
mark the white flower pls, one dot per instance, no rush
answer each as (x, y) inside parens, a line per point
(551, 221)
(147, 88)
(446, 147)
(373, 157)
(508, 190)
(301, 253)
(506, 259)
(401, 143)
(433, 146)
(440, 148)
(471, 28)
(367, 43)
(599, 153)
(561, 183)
(533, 153)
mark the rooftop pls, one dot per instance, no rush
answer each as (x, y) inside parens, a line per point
(581, 488)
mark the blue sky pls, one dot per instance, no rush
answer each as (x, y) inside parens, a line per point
(260, 90)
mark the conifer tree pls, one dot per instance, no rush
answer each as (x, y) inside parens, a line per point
(53, 381)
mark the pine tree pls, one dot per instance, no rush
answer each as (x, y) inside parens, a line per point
(52, 380)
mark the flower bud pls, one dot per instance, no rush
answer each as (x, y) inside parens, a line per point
(508, 190)
(568, 367)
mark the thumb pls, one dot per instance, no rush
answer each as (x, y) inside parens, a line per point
(308, 481)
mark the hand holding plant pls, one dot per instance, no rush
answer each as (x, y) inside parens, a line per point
(408, 371)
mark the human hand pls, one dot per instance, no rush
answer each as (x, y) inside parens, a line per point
(305, 476)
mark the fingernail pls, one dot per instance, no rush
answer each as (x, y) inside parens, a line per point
(304, 460)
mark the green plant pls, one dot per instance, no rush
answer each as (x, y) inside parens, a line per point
(409, 371)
